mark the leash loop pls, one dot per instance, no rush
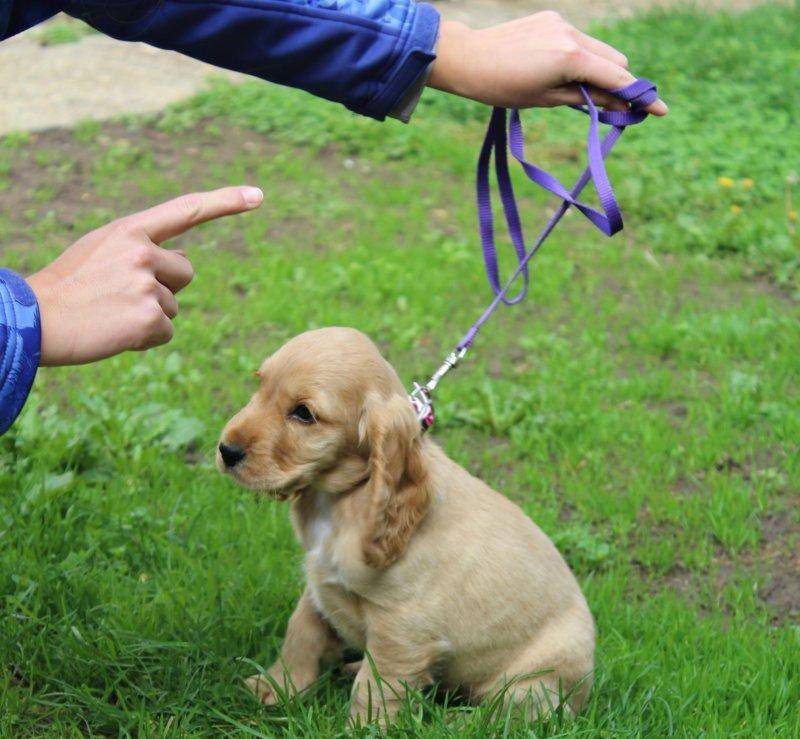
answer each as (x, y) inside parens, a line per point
(640, 93)
(504, 134)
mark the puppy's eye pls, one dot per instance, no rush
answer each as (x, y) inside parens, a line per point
(302, 414)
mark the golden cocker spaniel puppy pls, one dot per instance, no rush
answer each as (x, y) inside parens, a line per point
(408, 557)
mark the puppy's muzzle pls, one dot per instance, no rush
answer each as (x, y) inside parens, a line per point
(231, 455)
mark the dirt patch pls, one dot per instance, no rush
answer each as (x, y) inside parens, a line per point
(764, 463)
(756, 284)
(774, 564)
(53, 177)
(781, 592)
(57, 185)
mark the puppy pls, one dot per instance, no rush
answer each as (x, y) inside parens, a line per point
(408, 557)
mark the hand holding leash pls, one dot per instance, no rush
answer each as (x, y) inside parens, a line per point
(536, 61)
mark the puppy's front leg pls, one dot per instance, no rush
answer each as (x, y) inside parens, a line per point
(381, 685)
(309, 641)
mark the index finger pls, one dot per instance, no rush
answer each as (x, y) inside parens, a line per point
(606, 75)
(177, 216)
(601, 48)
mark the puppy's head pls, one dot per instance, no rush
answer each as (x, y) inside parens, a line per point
(331, 414)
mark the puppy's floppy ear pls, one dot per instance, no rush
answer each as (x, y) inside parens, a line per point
(390, 434)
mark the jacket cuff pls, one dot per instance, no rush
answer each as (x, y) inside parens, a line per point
(20, 345)
(415, 60)
(408, 103)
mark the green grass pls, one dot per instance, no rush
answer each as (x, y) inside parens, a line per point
(642, 405)
(62, 30)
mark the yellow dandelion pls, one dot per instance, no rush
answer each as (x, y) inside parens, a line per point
(747, 183)
(792, 215)
(725, 182)
(736, 209)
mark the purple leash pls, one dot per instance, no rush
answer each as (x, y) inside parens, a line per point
(500, 138)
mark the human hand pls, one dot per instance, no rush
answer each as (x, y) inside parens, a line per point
(114, 289)
(537, 61)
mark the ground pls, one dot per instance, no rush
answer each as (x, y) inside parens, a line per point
(641, 405)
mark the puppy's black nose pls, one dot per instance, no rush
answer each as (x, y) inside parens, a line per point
(231, 455)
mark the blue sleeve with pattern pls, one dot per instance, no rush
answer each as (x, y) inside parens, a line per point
(20, 342)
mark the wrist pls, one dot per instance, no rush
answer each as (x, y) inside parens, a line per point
(39, 285)
(450, 72)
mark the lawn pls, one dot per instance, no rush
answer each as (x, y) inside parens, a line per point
(643, 405)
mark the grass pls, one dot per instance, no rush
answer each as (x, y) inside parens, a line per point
(642, 405)
(62, 30)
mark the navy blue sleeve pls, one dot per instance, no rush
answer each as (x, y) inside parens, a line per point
(19, 15)
(363, 53)
(20, 343)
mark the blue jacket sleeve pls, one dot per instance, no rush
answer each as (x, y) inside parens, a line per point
(363, 53)
(20, 342)
(17, 15)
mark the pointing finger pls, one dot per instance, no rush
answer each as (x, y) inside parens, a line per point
(177, 216)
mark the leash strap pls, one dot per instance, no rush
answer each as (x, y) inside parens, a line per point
(504, 133)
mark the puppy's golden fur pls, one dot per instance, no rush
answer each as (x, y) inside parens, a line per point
(408, 557)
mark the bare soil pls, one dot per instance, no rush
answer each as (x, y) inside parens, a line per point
(781, 550)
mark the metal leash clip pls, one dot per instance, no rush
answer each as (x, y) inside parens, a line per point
(421, 396)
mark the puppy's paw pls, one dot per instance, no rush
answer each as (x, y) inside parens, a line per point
(352, 668)
(262, 689)
(290, 684)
